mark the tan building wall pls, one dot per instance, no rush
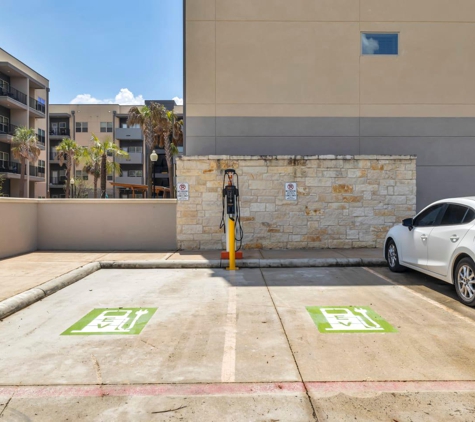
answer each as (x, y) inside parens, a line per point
(343, 202)
(280, 77)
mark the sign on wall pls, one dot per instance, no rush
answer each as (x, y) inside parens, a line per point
(291, 191)
(182, 192)
(348, 319)
(111, 321)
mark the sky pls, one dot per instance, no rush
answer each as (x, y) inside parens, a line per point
(93, 51)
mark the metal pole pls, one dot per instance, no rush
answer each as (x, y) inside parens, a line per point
(232, 243)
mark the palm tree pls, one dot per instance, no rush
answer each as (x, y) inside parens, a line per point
(92, 165)
(69, 152)
(25, 149)
(144, 117)
(105, 149)
(170, 128)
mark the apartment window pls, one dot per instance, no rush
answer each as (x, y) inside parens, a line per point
(41, 167)
(41, 132)
(4, 124)
(106, 127)
(4, 85)
(81, 127)
(81, 174)
(379, 44)
(4, 158)
(135, 173)
(62, 125)
(109, 177)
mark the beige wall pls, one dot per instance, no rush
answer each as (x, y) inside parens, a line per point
(86, 225)
(266, 57)
(106, 224)
(18, 226)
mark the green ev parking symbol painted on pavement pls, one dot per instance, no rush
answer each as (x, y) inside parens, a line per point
(111, 321)
(348, 319)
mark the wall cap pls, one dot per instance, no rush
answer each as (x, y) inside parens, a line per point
(298, 157)
(87, 201)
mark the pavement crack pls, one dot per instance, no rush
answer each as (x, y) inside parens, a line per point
(150, 344)
(97, 368)
(169, 410)
(314, 413)
(6, 405)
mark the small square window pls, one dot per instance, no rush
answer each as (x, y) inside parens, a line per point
(379, 44)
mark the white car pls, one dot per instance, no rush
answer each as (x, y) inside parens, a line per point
(440, 242)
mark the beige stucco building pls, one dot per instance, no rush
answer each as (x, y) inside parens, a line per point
(268, 77)
(106, 121)
(23, 102)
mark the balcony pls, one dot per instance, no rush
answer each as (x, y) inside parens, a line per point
(134, 158)
(57, 181)
(128, 134)
(58, 134)
(7, 132)
(13, 171)
(13, 99)
(36, 108)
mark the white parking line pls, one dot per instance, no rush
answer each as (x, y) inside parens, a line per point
(421, 296)
(228, 371)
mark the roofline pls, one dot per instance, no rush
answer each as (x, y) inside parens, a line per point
(5, 51)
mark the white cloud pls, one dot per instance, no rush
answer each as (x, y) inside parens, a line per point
(178, 101)
(369, 45)
(124, 97)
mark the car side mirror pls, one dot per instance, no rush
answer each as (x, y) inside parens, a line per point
(409, 223)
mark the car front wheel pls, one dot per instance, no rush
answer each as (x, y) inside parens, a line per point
(392, 256)
(465, 281)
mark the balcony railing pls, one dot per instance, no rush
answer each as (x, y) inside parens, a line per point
(8, 129)
(14, 93)
(15, 168)
(59, 132)
(35, 105)
(57, 180)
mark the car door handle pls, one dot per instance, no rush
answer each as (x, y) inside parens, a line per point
(454, 238)
(423, 237)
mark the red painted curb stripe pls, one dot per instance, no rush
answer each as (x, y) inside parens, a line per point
(390, 386)
(152, 390)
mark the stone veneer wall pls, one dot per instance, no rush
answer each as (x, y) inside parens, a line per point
(343, 201)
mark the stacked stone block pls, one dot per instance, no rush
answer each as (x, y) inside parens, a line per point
(343, 201)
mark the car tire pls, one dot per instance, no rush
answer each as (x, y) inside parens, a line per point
(392, 256)
(464, 280)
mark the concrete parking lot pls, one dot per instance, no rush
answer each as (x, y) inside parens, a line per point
(299, 344)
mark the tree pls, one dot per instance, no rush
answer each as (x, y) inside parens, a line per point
(69, 152)
(92, 165)
(104, 150)
(81, 189)
(146, 118)
(170, 130)
(25, 149)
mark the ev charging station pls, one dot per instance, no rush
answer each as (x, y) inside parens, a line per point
(231, 218)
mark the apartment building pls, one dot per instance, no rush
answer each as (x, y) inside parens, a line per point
(106, 121)
(23, 102)
(336, 77)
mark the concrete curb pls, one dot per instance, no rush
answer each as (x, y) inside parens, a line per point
(247, 263)
(20, 301)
